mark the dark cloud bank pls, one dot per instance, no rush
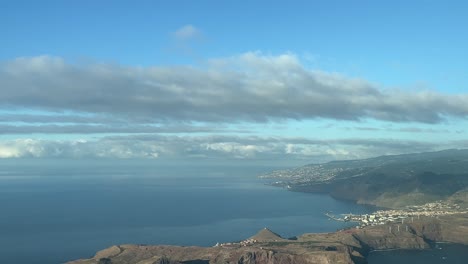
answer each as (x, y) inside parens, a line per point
(250, 87)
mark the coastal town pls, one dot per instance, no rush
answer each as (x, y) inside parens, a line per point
(408, 215)
(264, 235)
(381, 217)
(308, 174)
(243, 243)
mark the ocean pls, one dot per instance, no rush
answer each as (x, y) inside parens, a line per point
(55, 211)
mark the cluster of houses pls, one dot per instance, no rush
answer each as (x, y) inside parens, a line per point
(248, 242)
(303, 175)
(382, 217)
(375, 219)
(243, 243)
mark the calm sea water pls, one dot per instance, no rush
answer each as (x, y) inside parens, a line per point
(53, 212)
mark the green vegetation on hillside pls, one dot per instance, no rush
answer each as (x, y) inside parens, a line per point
(389, 181)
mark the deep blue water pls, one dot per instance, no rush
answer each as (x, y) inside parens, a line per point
(53, 212)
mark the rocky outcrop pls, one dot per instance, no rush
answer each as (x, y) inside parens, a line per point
(245, 255)
(108, 252)
(266, 235)
(391, 238)
(271, 257)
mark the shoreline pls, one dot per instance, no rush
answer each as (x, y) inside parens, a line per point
(348, 246)
(351, 246)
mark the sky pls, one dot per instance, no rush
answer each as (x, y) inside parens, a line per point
(230, 81)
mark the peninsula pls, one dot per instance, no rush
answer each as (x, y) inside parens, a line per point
(349, 246)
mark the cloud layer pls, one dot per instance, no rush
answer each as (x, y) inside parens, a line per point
(191, 113)
(251, 87)
(213, 148)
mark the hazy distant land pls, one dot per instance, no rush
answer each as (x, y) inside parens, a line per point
(387, 181)
(429, 192)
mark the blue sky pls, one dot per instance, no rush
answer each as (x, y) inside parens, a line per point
(395, 43)
(237, 80)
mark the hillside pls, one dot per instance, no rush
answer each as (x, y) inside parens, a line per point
(389, 181)
(266, 235)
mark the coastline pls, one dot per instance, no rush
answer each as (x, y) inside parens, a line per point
(351, 246)
(347, 246)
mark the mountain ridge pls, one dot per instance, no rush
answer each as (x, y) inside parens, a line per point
(392, 181)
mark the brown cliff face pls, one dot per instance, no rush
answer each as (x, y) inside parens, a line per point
(176, 255)
(416, 235)
(389, 237)
(271, 257)
(271, 254)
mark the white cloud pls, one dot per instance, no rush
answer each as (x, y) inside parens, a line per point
(237, 150)
(22, 148)
(9, 152)
(212, 147)
(187, 32)
(251, 87)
